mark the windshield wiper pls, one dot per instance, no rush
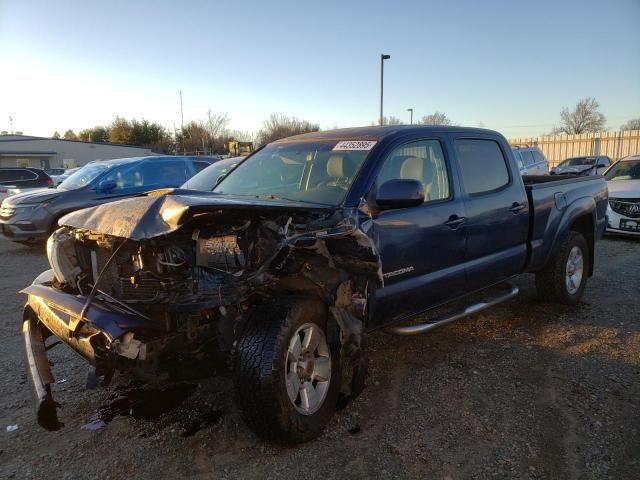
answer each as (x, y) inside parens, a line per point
(276, 197)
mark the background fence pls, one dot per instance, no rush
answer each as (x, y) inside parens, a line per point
(615, 145)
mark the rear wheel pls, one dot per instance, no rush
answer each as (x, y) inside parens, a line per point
(564, 278)
(287, 372)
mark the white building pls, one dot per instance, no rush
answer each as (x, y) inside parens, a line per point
(40, 152)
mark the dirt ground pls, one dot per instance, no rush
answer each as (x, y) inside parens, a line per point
(526, 390)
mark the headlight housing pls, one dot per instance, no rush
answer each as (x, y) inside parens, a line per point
(62, 256)
(18, 209)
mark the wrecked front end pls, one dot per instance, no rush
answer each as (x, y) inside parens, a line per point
(150, 282)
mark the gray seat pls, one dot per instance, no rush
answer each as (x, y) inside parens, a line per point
(340, 168)
(414, 168)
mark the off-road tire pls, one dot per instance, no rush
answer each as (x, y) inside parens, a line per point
(260, 365)
(550, 281)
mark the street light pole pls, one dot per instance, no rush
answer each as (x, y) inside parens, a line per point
(383, 57)
(410, 110)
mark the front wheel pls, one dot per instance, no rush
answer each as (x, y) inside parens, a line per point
(564, 278)
(287, 372)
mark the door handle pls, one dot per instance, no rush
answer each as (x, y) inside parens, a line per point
(517, 207)
(455, 221)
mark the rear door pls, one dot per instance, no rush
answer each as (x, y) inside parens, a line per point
(422, 247)
(497, 211)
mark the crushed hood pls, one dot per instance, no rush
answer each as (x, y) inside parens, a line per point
(164, 211)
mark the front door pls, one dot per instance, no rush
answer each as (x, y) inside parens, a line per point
(421, 248)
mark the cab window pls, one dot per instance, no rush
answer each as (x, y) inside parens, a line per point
(482, 165)
(423, 161)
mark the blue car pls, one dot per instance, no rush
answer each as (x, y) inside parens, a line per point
(32, 216)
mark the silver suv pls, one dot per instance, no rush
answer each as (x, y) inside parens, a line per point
(531, 161)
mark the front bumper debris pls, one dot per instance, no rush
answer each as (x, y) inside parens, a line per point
(50, 312)
(39, 373)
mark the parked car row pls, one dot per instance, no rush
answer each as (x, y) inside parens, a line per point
(31, 216)
(531, 161)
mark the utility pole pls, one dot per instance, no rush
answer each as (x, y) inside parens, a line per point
(184, 151)
(410, 110)
(383, 57)
(11, 124)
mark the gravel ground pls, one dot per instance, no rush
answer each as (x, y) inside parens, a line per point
(526, 390)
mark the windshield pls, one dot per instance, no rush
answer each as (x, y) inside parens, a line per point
(627, 170)
(207, 178)
(83, 177)
(577, 161)
(314, 172)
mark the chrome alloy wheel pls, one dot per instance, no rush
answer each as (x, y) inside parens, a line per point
(308, 368)
(574, 270)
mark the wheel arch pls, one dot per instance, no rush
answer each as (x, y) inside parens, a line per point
(580, 216)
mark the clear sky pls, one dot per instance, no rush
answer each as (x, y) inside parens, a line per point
(507, 65)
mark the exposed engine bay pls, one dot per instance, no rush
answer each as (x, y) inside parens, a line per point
(193, 283)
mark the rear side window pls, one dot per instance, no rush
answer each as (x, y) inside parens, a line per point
(527, 158)
(163, 173)
(16, 174)
(538, 157)
(158, 174)
(482, 165)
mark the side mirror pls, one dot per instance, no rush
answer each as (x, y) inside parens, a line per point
(601, 165)
(400, 193)
(106, 186)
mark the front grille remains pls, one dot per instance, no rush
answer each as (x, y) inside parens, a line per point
(144, 290)
(629, 207)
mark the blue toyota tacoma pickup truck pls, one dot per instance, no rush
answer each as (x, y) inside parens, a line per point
(310, 243)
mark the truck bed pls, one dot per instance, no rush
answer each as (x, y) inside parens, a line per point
(536, 180)
(555, 202)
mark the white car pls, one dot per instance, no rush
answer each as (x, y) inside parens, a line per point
(58, 179)
(623, 212)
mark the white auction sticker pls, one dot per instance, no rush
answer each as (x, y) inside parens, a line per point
(354, 145)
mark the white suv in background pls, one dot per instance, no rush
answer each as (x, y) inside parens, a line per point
(531, 161)
(623, 181)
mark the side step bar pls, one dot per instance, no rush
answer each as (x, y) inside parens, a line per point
(470, 310)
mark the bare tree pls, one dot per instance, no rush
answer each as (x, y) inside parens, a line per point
(193, 137)
(436, 118)
(242, 135)
(279, 126)
(585, 118)
(631, 125)
(217, 124)
(391, 120)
